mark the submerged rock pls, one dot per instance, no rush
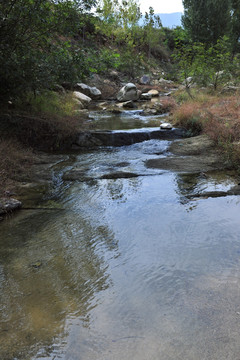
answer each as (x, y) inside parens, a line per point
(119, 175)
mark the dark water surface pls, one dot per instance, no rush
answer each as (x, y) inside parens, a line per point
(126, 269)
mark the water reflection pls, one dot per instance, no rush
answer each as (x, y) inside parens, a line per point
(122, 271)
(197, 184)
(130, 119)
(48, 273)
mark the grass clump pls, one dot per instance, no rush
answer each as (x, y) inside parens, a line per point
(189, 116)
(14, 160)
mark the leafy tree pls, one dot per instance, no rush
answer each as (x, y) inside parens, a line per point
(205, 66)
(207, 20)
(235, 25)
(32, 52)
(152, 23)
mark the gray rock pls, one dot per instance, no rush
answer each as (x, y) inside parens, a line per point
(189, 82)
(78, 103)
(114, 75)
(128, 92)
(191, 155)
(84, 99)
(153, 92)
(127, 104)
(146, 96)
(230, 89)
(167, 126)
(168, 93)
(165, 82)
(145, 80)
(110, 138)
(8, 205)
(92, 92)
(150, 112)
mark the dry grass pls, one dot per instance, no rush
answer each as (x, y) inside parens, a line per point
(168, 104)
(218, 117)
(189, 116)
(14, 160)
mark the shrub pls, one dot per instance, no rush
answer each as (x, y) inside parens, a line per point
(189, 117)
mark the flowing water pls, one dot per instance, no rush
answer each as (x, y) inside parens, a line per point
(124, 268)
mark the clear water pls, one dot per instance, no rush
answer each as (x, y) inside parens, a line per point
(127, 119)
(125, 269)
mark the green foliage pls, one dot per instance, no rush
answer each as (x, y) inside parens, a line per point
(118, 14)
(206, 20)
(130, 62)
(48, 103)
(32, 51)
(100, 61)
(152, 35)
(235, 25)
(205, 66)
(213, 64)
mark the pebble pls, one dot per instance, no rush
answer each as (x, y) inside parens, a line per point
(166, 126)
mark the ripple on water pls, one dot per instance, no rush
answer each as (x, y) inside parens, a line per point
(127, 270)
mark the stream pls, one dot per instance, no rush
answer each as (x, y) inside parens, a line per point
(113, 267)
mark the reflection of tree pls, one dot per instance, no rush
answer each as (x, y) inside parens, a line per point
(187, 184)
(51, 267)
(121, 189)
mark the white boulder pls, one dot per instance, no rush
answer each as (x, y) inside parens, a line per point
(128, 92)
(84, 99)
(92, 92)
(153, 92)
(166, 126)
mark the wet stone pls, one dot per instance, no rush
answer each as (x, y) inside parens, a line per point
(119, 175)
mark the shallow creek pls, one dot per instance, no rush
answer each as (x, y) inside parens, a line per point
(125, 268)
